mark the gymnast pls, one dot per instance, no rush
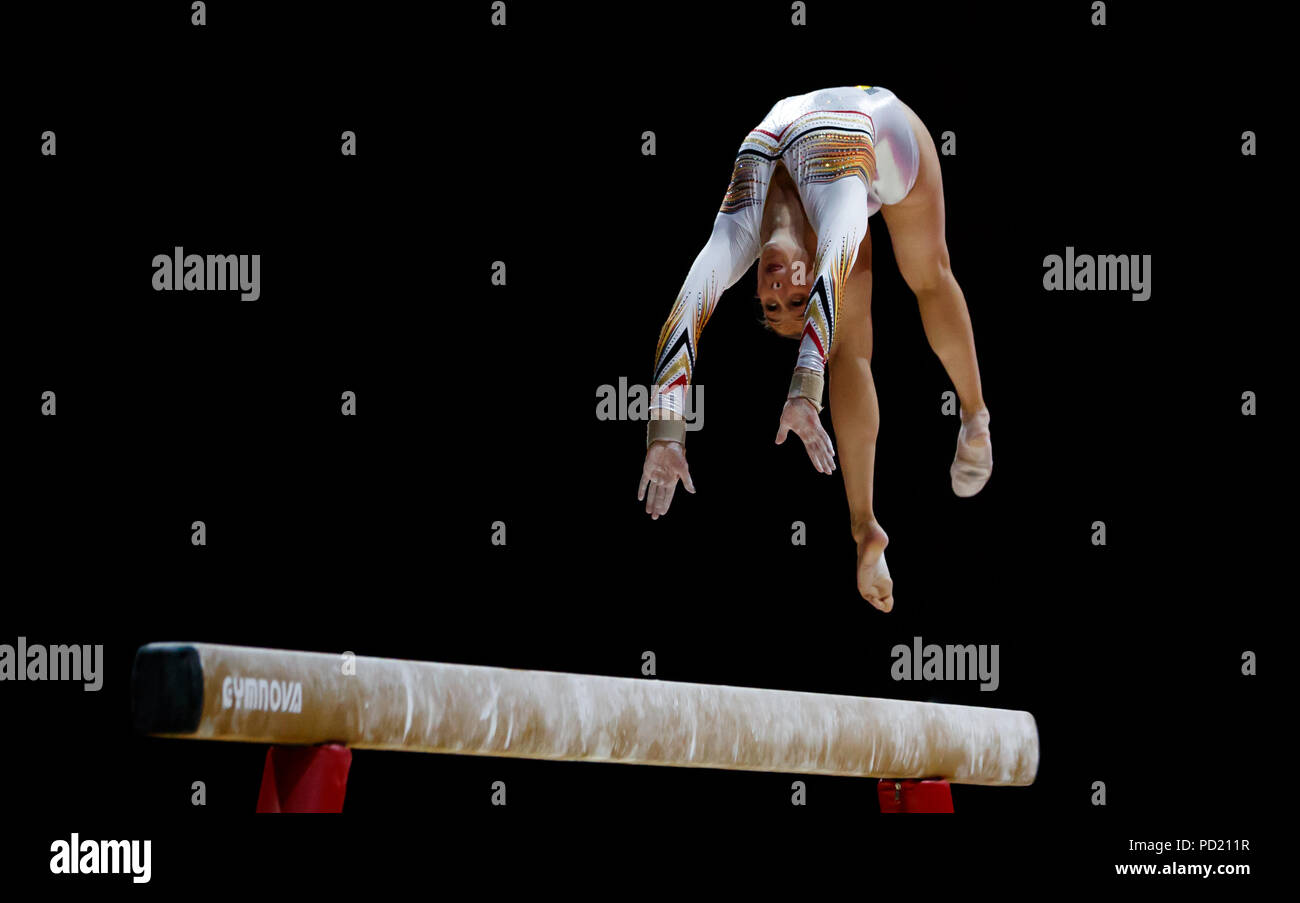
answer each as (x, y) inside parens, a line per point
(803, 186)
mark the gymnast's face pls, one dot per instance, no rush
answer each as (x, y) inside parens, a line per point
(783, 269)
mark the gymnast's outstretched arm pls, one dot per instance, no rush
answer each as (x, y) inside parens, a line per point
(833, 185)
(731, 248)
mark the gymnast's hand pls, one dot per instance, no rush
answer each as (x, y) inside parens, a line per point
(800, 417)
(665, 464)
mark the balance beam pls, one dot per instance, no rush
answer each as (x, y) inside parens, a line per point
(210, 692)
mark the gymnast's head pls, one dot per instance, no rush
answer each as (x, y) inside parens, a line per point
(784, 266)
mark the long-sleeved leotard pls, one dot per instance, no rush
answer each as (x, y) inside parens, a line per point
(848, 150)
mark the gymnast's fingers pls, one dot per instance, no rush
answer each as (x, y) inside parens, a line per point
(650, 498)
(823, 437)
(666, 495)
(686, 479)
(815, 458)
(819, 446)
(816, 454)
(645, 481)
(818, 459)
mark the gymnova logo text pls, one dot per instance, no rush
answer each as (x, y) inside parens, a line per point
(261, 695)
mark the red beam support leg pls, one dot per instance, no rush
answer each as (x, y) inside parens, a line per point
(304, 778)
(914, 796)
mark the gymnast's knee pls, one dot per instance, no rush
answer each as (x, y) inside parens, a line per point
(932, 278)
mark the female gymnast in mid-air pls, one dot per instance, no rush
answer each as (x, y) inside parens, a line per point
(804, 183)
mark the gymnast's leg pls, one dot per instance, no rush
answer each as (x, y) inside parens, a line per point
(856, 416)
(916, 227)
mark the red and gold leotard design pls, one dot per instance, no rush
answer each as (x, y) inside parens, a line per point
(848, 150)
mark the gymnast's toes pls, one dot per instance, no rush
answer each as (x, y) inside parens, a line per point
(874, 582)
(883, 602)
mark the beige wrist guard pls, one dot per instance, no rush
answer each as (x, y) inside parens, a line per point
(665, 430)
(807, 384)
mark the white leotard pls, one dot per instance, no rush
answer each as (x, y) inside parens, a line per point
(848, 150)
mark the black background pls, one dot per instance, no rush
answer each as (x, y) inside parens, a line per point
(477, 404)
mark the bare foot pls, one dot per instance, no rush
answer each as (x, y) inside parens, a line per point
(874, 582)
(972, 465)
